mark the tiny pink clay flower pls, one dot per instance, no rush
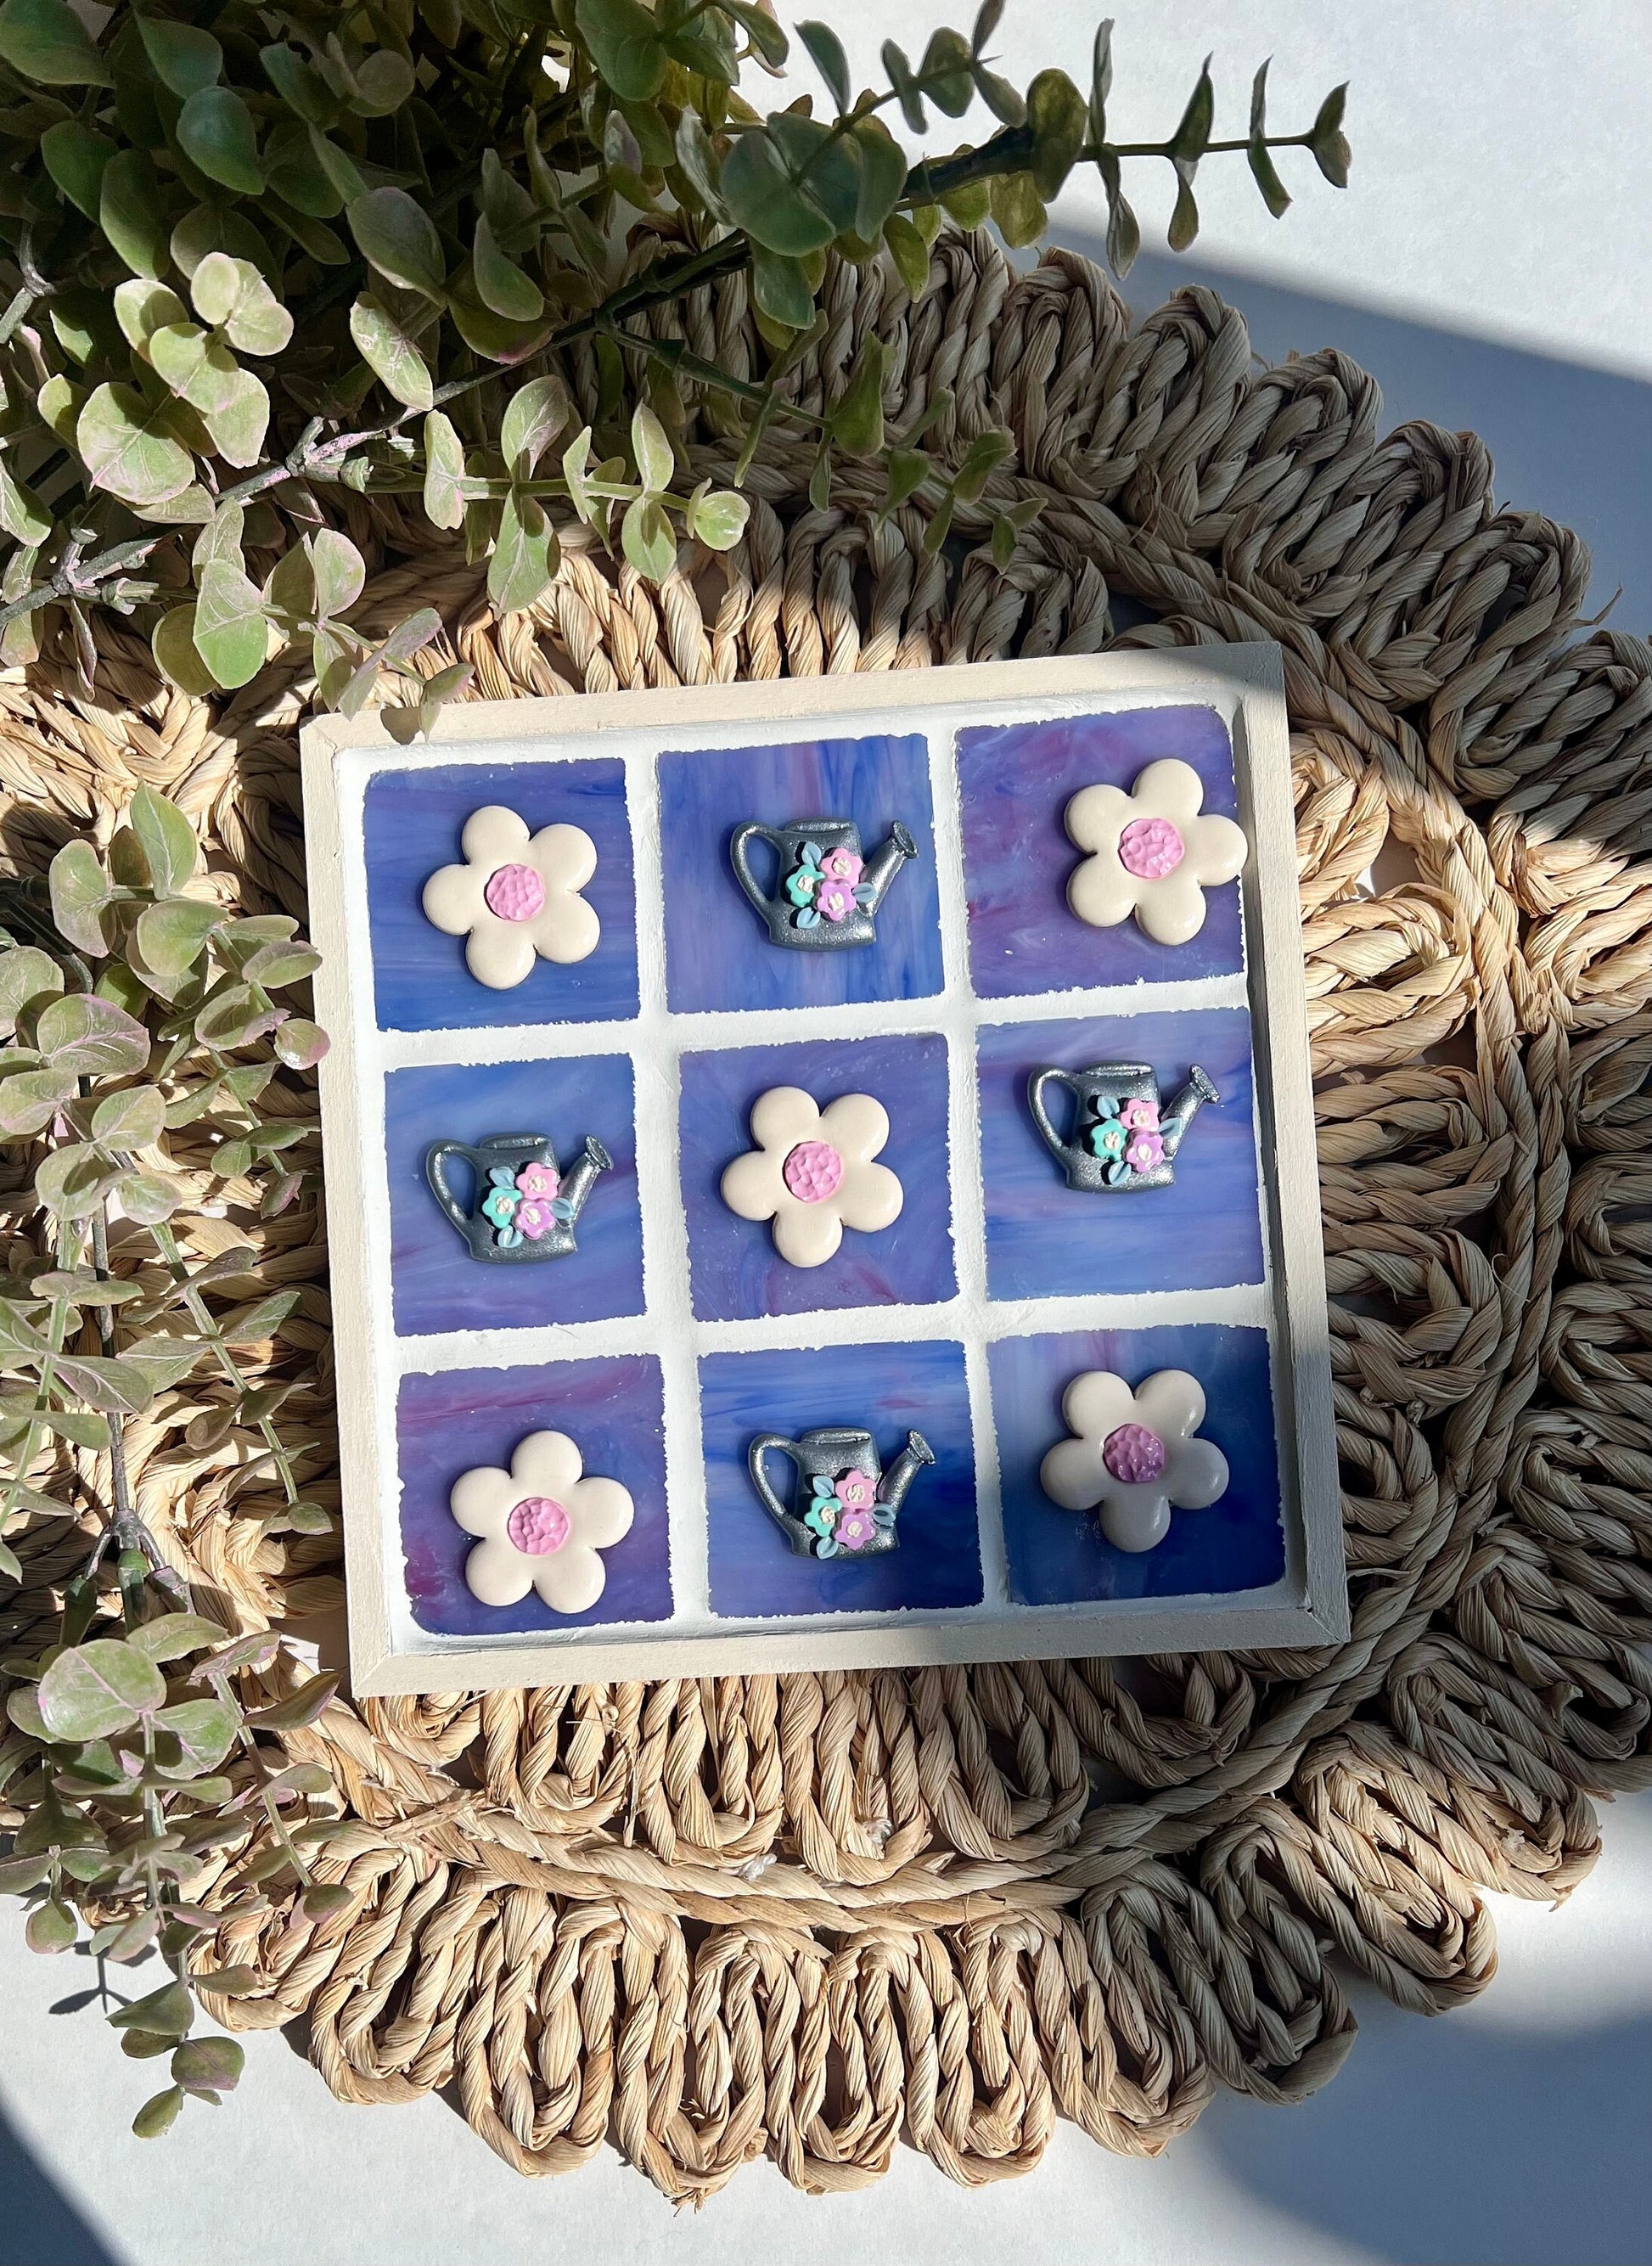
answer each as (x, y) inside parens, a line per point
(1141, 1115)
(1145, 1152)
(535, 1217)
(538, 1181)
(834, 900)
(854, 1491)
(841, 864)
(854, 1530)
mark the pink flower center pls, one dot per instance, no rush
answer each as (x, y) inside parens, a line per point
(812, 1171)
(1150, 848)
(515, 893)
(538, 1526)
(1134, 1454)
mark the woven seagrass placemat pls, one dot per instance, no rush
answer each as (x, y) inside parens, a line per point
(809, 1915)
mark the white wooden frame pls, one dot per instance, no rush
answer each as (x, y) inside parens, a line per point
(389, 1654)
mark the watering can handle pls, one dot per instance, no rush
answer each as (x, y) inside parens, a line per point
(1035, 1086)
(742, 863)
(434, 1158)
(765, 1444)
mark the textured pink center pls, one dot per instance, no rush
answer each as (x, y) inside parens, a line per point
(1133, 1454)
(538, 1526)
(812, 1171)
(1150, 848)
(516, 893)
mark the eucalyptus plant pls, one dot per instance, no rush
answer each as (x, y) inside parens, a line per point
(260, 254)
(138, 1014)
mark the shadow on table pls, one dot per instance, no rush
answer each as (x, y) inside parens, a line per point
(1568, 441)
(1474, 2147)
(39, 2226)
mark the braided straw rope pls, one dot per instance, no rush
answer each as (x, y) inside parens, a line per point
(806, 1916)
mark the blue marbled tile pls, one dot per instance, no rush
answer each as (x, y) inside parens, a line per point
(435, 1284)
(887, 1390)
(1045, 1240)
(737, 1272)
(413, 822)
(1016, 781)
(1058, 1556)
(717, 952)
(612, 1409)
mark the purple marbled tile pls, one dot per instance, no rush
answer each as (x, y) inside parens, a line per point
(887, 1390)
(413, 821)
(1058, 1557)
(1015, 781)
(613, 1411)
(1045, 1240)
(435, 1284)
(737, 1272)
(717, 952)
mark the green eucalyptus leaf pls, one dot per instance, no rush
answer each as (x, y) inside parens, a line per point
(231, 633)
(74, 1424)
(186, 59)
(300, 1709)
(91, 1036)
(778, 211)
(647, 539)
(717, 519)
(110, 1383)
(45, 40)
(1327, 140)
(148, 1197)
(652, 450)
(761, 29)
(390, 353)
(163, 1361)
(695, 153)
(209, 2065)
(81, 891)
(883, 177)
(196, 1736)
(780, 287)
(172, 936)
(22, 514)
(444, 472)
(1275, 194)
(76, 155)
(1058, 117)
(131, 214)
(857, 418)
(625, 42)
(60, 403)
(143, 306)
(168, 2012)
(208, 228)
(383, 81)
(300, 1044)
(158, 2114)
(276, 965)
(26, 973)
(525, 556)
(172, 642)
(128, 446)
(1017, 210)
(95, 1689)
(300, 87)
(337, 570)
(133, 1118)
(50, 1927)
(239, 424)
(167, 839)
(175, 1635)
(909, 253)
(1192, 137)
(501, 285)
(398, 237)
(1184, 218)
(947, 72)
(31, 1098)
(215, 132)
(826, 52)
(969, 204)
(534, 416)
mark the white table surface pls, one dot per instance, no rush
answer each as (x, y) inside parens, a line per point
(1489, 265)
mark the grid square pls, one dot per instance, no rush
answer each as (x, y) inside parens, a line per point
(1061, 1557)
(1015, 781)
(435, 1284)
(717, 952)
(613, 1410)
(413, 821)
(887, 1390)
(736, 1271)
(1045, 1240)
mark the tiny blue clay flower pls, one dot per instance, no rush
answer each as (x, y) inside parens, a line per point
(800, 885)
(500, 1206)
(1108, 1139)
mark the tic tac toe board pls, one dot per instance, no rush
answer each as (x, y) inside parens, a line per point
(677, 1332)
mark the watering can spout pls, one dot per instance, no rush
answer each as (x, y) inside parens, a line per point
(886, 862)
(579, 1182)
(904, 1470)
(1186, 1107)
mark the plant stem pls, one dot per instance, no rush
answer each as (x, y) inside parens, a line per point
(206, 1322)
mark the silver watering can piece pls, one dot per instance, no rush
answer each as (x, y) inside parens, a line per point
(844, 1504)
(1122, 1136)
(523, 1207)
(825, 893)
